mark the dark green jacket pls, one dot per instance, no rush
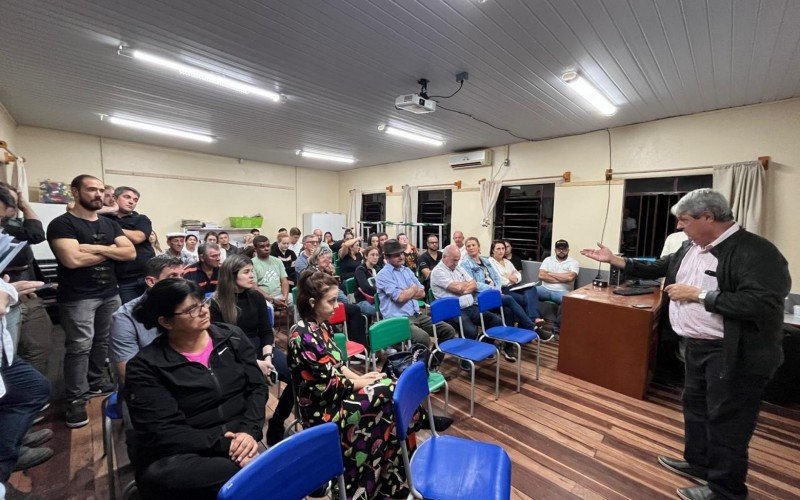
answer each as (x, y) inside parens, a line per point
(753, 278)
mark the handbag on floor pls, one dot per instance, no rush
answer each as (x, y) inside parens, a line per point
(395, 364)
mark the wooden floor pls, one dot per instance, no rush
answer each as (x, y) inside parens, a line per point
(567, 439)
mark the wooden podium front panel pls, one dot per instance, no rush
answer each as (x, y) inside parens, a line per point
(606, 341)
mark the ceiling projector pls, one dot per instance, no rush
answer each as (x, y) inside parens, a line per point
(415, 103)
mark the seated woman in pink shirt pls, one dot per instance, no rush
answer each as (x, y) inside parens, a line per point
(195, 395)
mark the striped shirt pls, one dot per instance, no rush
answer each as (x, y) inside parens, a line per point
(690, 319)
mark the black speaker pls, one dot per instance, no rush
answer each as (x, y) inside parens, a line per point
(616, 276)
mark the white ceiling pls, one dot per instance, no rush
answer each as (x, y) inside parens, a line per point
(341, 63)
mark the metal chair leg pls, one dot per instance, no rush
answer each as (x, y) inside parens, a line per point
(519, 365)
(108, 448)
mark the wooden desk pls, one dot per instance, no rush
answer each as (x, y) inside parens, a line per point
(607, 341)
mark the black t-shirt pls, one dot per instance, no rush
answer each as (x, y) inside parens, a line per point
(425, 261)
(288, 259)
(94, 282)
(135, 269)
(348, 265)
(516, 261)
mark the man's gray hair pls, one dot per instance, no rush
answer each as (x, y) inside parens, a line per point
(698, 201)
(450, 249)
(308, 237)
(118, 192)
(205, 247)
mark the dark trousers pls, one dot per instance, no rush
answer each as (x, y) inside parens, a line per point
(130, 289)
(719, 417)
(36, 333)
(356, 330)
(514, 313)
(26, 392)
(185, 476)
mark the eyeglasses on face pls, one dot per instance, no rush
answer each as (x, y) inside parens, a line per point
(196, 309)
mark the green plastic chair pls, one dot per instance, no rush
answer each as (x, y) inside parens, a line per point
(388, 332)
(341, 343)
(430, 297)
(350, 287)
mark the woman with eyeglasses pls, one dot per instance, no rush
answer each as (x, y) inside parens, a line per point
(237, 301)
(195, 395)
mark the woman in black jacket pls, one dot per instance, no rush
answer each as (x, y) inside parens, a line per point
(195, 395)
(239, 302)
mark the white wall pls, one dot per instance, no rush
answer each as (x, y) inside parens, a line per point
(280, 193)
(702, 139)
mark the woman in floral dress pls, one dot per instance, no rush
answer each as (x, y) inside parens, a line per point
(328, 391)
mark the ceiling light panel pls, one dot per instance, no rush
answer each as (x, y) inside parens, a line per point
(200, 74)
(411, 136)
(316, 155)
(589, 93)
(158, 129)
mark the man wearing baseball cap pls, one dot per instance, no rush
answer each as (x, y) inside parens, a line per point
(558, 274)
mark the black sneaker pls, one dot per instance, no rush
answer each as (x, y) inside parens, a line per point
(76, 414)
(441, 424)
(31, 457)
(37, 438)
(510, 353)
(103, 389)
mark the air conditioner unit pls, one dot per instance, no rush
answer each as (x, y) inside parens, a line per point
(472, 159)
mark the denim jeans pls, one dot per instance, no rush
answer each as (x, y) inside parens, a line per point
(86, 324)
(471, 320)
(514, 313)
(528, 299)
(551, 295)
(27, 391)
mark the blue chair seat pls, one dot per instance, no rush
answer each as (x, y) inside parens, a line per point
(468, 349)
(512, 334)
(435, 464)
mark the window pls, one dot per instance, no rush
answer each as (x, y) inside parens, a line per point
(435, 207)
(646, 215)
(373, 208)
(524, 216)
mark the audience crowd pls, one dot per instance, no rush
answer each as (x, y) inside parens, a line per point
(190, 334)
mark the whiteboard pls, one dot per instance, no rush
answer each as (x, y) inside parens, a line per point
(46, 212)
(326, 221)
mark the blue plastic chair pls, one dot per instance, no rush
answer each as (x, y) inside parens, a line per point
(293, 468)
(492, 299)
(471, 351)
(446, 467)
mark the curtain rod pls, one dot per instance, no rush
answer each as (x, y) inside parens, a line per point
(8, 155)
(763, 160)
(565, 177)
(457, 185)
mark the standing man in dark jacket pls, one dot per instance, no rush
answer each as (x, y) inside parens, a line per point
(726, 288)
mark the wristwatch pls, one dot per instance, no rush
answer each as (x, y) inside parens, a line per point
(702, 296)
(265, 356)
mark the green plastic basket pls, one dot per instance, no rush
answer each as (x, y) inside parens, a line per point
(245, 222)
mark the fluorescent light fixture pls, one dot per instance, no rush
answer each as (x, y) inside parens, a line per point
(200, 74)
(411, 136)
(588, 92)
(158, 129)
(324, 156)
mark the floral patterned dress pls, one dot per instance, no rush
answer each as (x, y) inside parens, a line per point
(372, 461)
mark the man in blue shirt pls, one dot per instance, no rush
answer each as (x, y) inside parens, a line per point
(398, 291)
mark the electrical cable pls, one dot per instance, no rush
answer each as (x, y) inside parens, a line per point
(451, 95)
(485, 123)
(608, 202)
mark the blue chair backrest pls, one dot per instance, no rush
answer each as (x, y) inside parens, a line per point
(293, 468)
(489, 299)
(410, 391)
(445, 308)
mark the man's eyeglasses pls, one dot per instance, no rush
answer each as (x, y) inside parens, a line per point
(196, 309)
